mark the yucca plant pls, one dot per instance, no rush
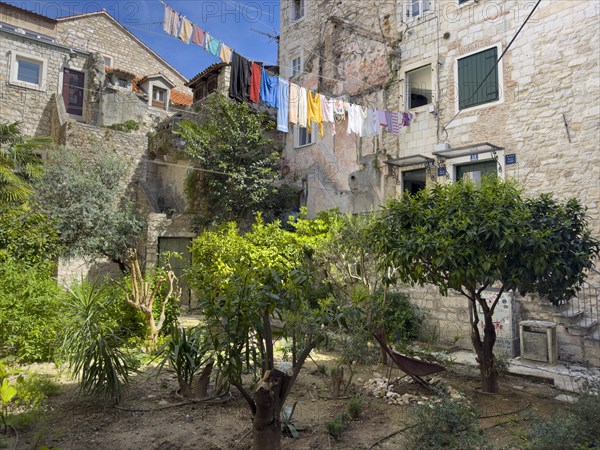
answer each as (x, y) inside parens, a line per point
(189, 355)
(91, 347)
(19, 163)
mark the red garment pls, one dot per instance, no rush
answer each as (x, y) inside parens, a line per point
(255, 83)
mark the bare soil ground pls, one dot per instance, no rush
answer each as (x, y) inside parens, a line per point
(149, 418)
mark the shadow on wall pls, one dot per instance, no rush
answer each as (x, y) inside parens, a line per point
(364, 185)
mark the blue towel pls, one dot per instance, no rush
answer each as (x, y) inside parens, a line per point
(284, 105)
(269, 89)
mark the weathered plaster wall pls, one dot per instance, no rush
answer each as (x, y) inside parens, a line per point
(347, 49)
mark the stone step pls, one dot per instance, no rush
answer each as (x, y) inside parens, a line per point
(583, 327)
(571, 313)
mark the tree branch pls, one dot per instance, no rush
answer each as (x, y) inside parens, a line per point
(245, 394)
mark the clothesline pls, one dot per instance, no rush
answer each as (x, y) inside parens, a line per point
(295, 104)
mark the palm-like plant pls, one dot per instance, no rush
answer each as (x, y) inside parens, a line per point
(19, 163)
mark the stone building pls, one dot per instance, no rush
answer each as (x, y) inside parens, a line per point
(70, 78)
(535, 119)
(104, 74)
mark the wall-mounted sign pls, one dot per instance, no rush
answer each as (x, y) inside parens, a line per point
(475, 157)
(511, 158)
(441, 171)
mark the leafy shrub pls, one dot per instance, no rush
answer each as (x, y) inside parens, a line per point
(130, 125)
(91, 346)
(447, 424)
(189, 355)
(355, 407)
(29, 311)
(578, 429)
(336, 426)
(21, 395)
(401, 318)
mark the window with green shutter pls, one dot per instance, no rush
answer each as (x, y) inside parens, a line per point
(471, 72)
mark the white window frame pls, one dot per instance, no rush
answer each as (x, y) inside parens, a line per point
(112, 60)
(313, 136)
(60, 88)
(423, 6)
(157, 89)
(14, 71)
(293, 16)
(293, 72)
(500, 70)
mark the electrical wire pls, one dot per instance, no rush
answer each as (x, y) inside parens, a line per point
(494, 66)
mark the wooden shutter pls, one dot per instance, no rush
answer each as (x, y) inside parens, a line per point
(471, 72)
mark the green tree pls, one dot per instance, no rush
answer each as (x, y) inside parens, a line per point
(238, 164)
(468, 238)
(247, 284)
(19, 163)
(27, 236)
(87, 199)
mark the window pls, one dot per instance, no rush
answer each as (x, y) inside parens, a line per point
(159, 97)
(460, 2)
(296, 66)
(159, 94)
(471, 72)
(108, 60)
(28, 71)
(418, 83)
(414, 180)
(475, 172)
(416, 7)
(122, 82)
(297, 9)
(302, 137)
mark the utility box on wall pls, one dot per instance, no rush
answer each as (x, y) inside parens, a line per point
(504, 318)
(538, 341)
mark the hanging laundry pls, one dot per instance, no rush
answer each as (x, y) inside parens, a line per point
(284, 105)
(393, 123)
(339, 110)
(357, 115)
(198, 36)
(406, 119)
(185, 34)
(255, 83)
(171, 22)
(268, 89)
(327, 109)
(314, 111)
(212, 45)
(302, 107)
(294, 100)
(381, 114)
(225, 53)
(240, 77)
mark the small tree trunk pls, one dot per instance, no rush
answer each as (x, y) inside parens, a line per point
(337, 378)
(485, 349)
(200, 385)
(266, 424)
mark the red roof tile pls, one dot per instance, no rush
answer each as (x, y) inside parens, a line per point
(181, 98)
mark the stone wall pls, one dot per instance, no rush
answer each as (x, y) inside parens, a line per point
(100, 33)
(30, 106)
(347, 49)
(550, 75)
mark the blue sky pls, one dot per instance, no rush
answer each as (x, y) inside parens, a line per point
(228, 20)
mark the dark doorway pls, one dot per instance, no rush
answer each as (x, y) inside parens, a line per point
(414, 180)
